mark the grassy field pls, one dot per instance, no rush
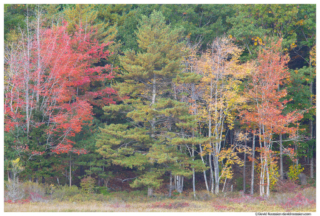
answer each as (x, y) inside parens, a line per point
(302, 201)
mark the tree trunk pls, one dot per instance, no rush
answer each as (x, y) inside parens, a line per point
(268, 181)
(70, 177)
(244, 168)
(179, 183)
(204, 172)
(9, 179)
(170, 186)
(39, 64)
(193, 175)
(252, 169)
(281, 158)
(310, 121)
(150, 190)
(311, 169)
(216, 173)
(211, 173)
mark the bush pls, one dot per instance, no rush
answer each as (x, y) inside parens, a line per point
(285, 186)
(102, 190)
(294, 172)
(14, 191)
(64, 192)
(36, 191)
(202, 195)
(297, 201)
(87, 184)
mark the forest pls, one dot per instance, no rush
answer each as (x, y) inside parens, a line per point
(160, 107)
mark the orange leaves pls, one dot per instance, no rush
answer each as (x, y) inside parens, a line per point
(264, 92)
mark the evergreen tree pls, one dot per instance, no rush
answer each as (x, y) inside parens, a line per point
(144, 141)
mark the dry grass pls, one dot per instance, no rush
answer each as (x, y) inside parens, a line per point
(96, 206)
(216, 204)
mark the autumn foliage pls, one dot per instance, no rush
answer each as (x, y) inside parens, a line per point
(51, 76)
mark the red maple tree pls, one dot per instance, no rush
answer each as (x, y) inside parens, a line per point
(267, 104)
(51, 73)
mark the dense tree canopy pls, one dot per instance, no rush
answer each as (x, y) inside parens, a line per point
(160, 94)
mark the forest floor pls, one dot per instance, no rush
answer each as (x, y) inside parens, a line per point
(302, 200)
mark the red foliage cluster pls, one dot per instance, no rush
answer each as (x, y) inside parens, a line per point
(220, 207)
(22, 201)
(55, 79)
(170, 205)
(271, 72)
(298, 201)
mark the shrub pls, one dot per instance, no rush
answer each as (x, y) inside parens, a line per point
(87, 184)
(285, 186)
(64, 192)
(103, 190)
(294, 172)
(297, 201)
(14, 191)
(36, 191)
(203, 195)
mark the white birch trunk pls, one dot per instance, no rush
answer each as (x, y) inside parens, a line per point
(244, 169)
(204, 172)
(252, 169)
(281, 158)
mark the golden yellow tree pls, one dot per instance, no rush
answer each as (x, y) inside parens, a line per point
(222, 76)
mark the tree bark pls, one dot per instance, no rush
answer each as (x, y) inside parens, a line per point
(281, 158)
(193, 174)
(70, 177)
(211, 173)
(150, 190)
(39, 63)
(252, 169)
(204, 172)
(216, 173)
(170, 186)
(310, 122)
(244, 169)
(9, 179)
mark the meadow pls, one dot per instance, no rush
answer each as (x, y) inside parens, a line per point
(66, 199)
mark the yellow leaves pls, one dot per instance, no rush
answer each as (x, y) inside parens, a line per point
(313, 55)
(293, 45)
(294, 171)
(257, 40)
(307, 79)
(300, 22)
(230, 36)
(207, 147)
(288, 79)
(296, 71)
(230, 157)
(16, 161)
